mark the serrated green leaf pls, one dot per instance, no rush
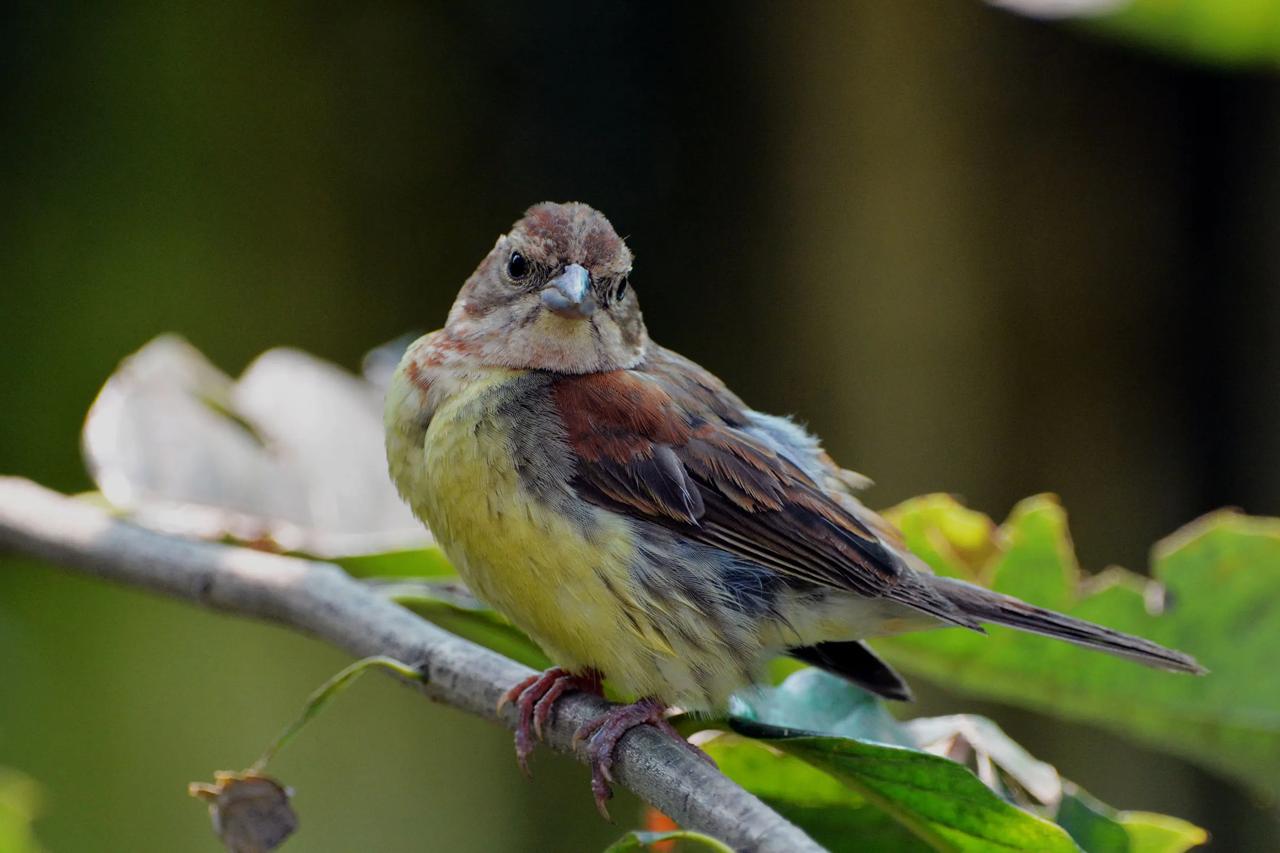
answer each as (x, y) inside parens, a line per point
(1222, 576)
(956, 541)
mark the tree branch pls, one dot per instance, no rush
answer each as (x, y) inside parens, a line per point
(320, 599)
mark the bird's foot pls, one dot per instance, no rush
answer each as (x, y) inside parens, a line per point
(535, 698)
(603, 733)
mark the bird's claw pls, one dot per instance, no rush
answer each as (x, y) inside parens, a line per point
(535, 699)
(514, 693)
(603, 734)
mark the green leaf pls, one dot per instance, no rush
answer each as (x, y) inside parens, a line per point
(19, 804)
(908, 797)
(820, 703)
(1222, 576)
(817, 701)
(429, 562)
(641, 840)
(956, 541)
(834, 816)
(1230, 32)
(1092, 825)
(937, 800)
(1098, 828)
(1157, 833)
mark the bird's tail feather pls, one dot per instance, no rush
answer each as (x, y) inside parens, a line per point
(987, 606)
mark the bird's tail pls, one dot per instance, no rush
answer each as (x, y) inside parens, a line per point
(987, 606)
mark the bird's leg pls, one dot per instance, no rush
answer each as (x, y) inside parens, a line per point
(603, 733)
(535, 698)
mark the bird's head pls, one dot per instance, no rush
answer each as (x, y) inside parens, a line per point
(553, 294)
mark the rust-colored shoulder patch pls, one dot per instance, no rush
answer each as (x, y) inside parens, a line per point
(665, 443)
(617, 415)
(623, 430)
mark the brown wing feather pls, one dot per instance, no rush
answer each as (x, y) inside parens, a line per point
(665, 442)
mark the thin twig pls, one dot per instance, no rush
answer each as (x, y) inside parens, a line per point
(321, 599)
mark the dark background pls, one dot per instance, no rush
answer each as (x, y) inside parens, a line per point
(976, 253)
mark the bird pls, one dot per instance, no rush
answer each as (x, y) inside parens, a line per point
(638, 520)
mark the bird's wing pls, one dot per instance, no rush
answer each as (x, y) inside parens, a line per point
(667, 442)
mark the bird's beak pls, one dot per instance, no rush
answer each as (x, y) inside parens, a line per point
(569, 294)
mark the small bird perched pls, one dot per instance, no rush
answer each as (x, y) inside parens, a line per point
(636, 519)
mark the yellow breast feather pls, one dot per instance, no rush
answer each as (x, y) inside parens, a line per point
(566, 586)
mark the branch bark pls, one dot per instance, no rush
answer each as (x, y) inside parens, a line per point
(320, 599)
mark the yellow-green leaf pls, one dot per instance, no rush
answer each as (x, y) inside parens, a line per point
(1220, 601)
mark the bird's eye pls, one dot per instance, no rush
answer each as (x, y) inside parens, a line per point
(517, 266)
(622, 289)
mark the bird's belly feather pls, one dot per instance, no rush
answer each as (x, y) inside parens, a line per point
(565, 582)
(519, 555)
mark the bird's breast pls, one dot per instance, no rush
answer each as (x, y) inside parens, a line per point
(495, 494)
(479, 454)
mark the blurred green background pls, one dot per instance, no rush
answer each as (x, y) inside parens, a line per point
(976, 252)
